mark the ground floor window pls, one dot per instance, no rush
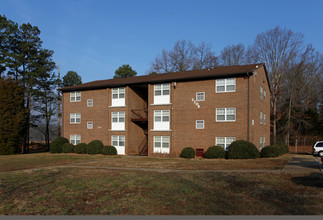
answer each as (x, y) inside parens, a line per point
(260, 143)
(119, 143)
(75, 139)
(161, 144)
(224, 142)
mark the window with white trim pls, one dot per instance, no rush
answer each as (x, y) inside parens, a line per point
(90, 125)
(90, 103)
(119, 143)
(118, 97)
(264, 119)
(117, 120)
(200, 96)
(75, 118)
(226, 85)
(199, 124)
(162, 93)
(264, 142)
(261, 118)
(264, 95)
(224, 142)
(75, 139)
(225, 114)
(161, 144)
(261, 92)
(260, 143)
(161, 119)
(75, 96)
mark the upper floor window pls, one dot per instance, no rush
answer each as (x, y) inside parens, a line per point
(75, 96)
(226, 85)
(261, 92)
(90, 125)
(200, 96)
(118, 96)
(199, 124)
(90, 103)
(225, 114)
(264, 120)
(162, 93)
(75, 139)
(264, 95)
(161, 119)
(260, 117)
(224, 142)
(75, 118)
(118, 121)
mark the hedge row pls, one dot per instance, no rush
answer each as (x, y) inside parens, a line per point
(274, 150)
(61, 145)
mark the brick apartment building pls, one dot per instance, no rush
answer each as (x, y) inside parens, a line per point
(164, 113)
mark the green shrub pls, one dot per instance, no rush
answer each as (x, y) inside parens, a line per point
(57, 144)
(80, 148)
(109, 150)
(94, 147)
(284, 149)
(187, 152)
(243, 150)
(270, 151)
(68, 148)
(214, 152)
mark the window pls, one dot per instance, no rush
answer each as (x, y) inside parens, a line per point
(261, 89)
(199, 124)
(118, 96)
(118, 121)
(224, 142)
(161, 119)
(200, 96)
(225, 114)
(90, 125)
(75, 139)
(119, 143)
(264, 95)
(161, 93)
(226, 85)
(161, 144)
(264, 142)
(90, 103)
(261, 118)
(260, 143)
(264, 119)
(75, 118)
(75, 96)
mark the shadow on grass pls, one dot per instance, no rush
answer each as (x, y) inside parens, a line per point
(313, 180)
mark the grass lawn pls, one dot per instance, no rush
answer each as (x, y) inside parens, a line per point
(84, 191)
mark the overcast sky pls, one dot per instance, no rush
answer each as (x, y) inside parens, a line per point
(94, 37)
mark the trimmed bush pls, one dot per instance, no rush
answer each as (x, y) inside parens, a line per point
(67, 148)
(214, 152)
(284, 149)
(243, 150)
(187, 152)
(57, 144)
(270, 151)
(94, 147)
(80, 148)
(109, 150)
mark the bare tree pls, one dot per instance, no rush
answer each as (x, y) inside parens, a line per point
(204, 57)
(233, 55)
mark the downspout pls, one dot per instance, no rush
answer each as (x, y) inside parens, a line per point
(248, 128)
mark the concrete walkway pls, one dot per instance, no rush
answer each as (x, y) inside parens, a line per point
(303, 163)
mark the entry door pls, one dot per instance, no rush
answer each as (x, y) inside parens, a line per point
(119, 143)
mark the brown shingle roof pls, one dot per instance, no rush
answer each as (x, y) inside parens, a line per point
(218, 72)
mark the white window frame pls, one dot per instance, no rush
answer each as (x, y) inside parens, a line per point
(75, 96)
(75, 118)
(75, 139)
(226, 83)
(264, 119)
(261, 92)
(118, 96)
(260, 143)
(199, 124)
(89, 125)
(116, 141)
(163, 143)
(226, 142)
(264, 141)
(264, 95)
(226, 110)
(200, 96)
(261, 118)
(162, 120)
(119, 123)
(163, 93)
(89, 103)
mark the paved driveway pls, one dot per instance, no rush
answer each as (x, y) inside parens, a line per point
(303, 163)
